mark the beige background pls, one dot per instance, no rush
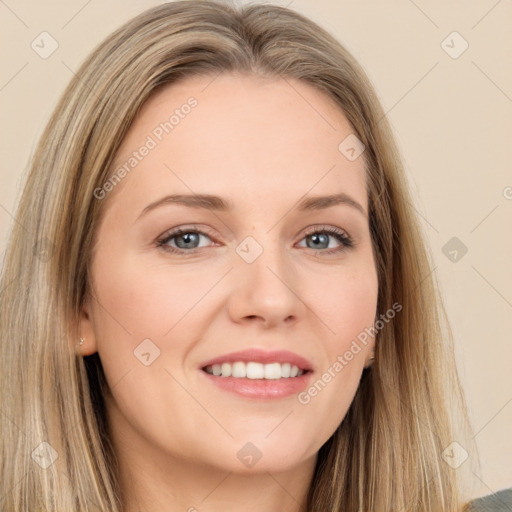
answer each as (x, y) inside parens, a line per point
(453, 121)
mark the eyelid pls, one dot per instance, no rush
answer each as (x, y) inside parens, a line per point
(325, 227)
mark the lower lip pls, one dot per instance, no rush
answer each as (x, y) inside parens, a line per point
(261, 388)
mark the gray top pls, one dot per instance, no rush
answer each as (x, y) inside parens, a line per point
(498, 502)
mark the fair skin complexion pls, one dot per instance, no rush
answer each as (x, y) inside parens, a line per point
(264, 146)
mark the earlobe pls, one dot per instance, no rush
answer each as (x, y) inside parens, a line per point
(370, 356)
(370, 359)
(85, 345)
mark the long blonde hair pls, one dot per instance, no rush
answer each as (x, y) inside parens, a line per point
(386, 454)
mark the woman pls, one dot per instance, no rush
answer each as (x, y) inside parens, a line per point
(258, 369)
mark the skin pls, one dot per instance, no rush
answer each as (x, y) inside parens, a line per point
(263, 144)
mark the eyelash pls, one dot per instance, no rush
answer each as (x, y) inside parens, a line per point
(345, 241)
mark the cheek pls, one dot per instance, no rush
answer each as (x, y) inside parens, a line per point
(140, 300)
(143, 300)
(348, 307)
(357, 307)
(346, 303)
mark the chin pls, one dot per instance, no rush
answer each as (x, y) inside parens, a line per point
(262, 454)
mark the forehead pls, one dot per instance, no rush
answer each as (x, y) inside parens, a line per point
(240, 136)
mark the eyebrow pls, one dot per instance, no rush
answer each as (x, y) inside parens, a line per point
(216, 203)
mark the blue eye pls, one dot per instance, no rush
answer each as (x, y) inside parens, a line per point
(321, 237)
(186, 240)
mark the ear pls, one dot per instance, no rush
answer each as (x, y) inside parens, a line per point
(370, 358)
(86, 330)
(370, 355)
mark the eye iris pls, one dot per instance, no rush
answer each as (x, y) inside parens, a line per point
(189, 238)
(317, 236)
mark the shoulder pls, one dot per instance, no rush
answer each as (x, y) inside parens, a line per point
(498, 502)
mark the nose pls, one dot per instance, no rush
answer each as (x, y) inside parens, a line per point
(264, 290)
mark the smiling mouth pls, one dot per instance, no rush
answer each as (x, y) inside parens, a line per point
(254, 370)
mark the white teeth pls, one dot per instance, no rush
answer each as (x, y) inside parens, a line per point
(253, 370)
(225, 370)
(273, 371)
(238, 370)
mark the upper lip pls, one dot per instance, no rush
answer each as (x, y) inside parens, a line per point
(262, 356)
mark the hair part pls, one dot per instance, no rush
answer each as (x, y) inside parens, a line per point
(386, 453)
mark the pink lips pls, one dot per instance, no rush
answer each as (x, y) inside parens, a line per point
(261, 388)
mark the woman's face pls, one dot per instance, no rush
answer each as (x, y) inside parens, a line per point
(253, 272)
